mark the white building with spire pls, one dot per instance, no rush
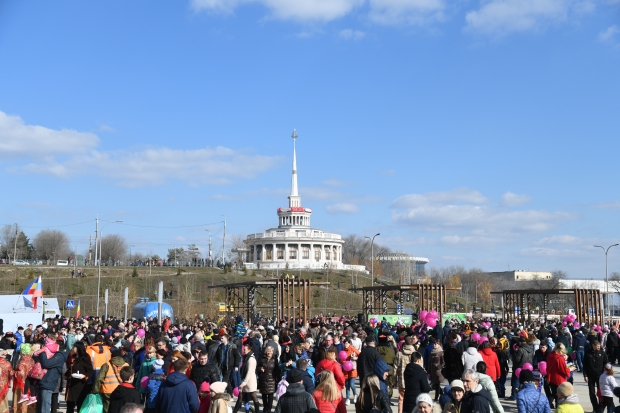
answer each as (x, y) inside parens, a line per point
(294, 243)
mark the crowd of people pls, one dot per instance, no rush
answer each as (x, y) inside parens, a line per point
(290, 366)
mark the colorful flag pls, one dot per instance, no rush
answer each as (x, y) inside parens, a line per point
(35, 289)
(77, 315)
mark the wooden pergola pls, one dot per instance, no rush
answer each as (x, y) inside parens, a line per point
(285, 299)
(517, 304)
(430, 297)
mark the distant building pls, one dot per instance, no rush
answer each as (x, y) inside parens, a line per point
(294, 243)
(520, 275)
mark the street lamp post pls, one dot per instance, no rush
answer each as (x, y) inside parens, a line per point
(606, 281)
(99, 267)
(372, 265)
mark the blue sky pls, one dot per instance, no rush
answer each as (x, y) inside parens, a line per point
(474, 133)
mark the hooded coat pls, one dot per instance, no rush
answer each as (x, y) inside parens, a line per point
(177, 394)
(569, 405)
(123, 394)
(436, 363)
(416, 382)
(490, 359)
(453, 362)
(267, 372)
(525, 354)
(380, 368)
(295, 400)
(530, 399)
(403, 358)
(471, 358)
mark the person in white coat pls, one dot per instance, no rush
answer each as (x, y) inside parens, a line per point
(470, 358)
(607, 384)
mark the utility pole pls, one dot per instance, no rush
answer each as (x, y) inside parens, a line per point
(15, 252)
(96, 240)
(224, 242)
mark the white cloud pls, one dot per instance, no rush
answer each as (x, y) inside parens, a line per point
(459, 195)
(468, 211)
(500, 17)
(335, 182)
(350, 34)
(555, 253)
(20, 140)
(608, 205)
(413, 12)
(560, 239)
(342, 208)
(512, 199)
(155, 166)
(608, 34)
(65, 153)
(304, 10)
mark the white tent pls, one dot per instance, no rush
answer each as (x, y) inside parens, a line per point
(17, 310)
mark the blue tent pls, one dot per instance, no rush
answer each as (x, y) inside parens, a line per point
(149, 309)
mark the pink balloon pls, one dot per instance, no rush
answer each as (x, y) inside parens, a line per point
(528, 366)
(433, 313)
(236, 392)
(475, 336)
(144, 382)
(347, 366)
(423, 314)
(431, 322)
(141, 333)
(483, 339)
(564, 323)
(518, 372)
(576, 324)
(542, 367)
(343, 355)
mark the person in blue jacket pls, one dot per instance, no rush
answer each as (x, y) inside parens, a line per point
(382, 370)
(177, 394)
(529, 398)
(49, 382)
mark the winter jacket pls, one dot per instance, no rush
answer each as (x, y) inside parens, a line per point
(353, 354)
(488, 385)
(335, 368)
(453, 362)
(476, 401)
(388, 355)
(248, 374)
(200, 373)
(403, 358)
(334, 406)
(532, 400)
(54, 367)
(295, 400)
(579, 342)
(490, 359)
(108, 387)
(177, 394)
(156, 378)
(470, 359)
(538, 357)
(267, 372)
(123, 394)
(416, 382)
(232, 356)
(435, 364)
(607, 384)
(308, 380)
(366, 361)
(502, 358)
(612, 339)
(525, 354)
(75, 387)
(219, 403)
(557, 371)
(594, 363)
(569, 405)
(145, 370)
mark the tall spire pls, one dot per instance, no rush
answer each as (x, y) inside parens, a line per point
(294, 200)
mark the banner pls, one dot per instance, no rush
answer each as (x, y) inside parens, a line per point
(458, 317)
(392, 319)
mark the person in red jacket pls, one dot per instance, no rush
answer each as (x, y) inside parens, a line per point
(557, 371)
(327, 395)
(490, 359)
(330, 363)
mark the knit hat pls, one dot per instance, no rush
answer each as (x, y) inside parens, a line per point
(218, 387)
(25, 349)
(425, 398)
(158, 364)
(526, 376)
(564, 390)
(204, 387)
(457, 384)
(294, 376)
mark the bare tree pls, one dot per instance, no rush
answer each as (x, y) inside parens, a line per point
(12, 245)
(113, 248)
(236, 242)
(50, 244)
